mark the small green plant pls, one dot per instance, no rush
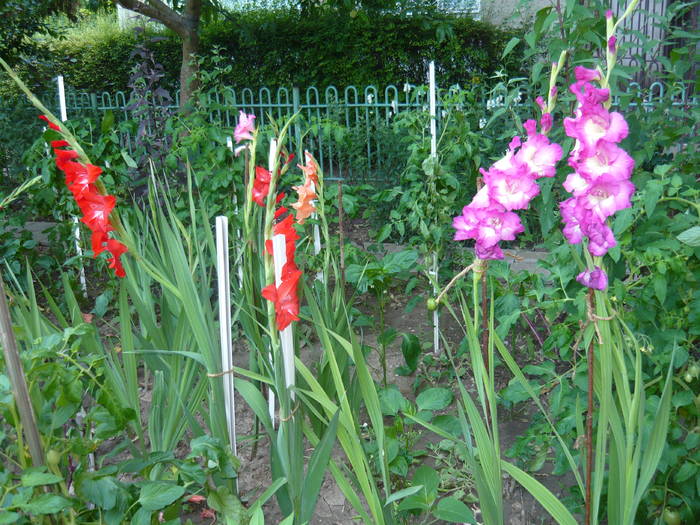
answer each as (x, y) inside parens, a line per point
(378, 276)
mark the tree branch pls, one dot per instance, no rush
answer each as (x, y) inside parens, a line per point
(158, 10)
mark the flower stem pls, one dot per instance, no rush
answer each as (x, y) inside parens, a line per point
(589, 422)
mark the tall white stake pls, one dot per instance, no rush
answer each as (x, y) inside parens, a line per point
(76, 224)
(433, 108)
(317, 238)
(229, 144)
(224, 289)
(78, 248)
(433, 153)
(62, 98)
(279, 253)
(271, 165)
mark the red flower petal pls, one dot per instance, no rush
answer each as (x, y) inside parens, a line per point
(51, 124)
(261, 185)
(96, 209)
(98, 239)
(117, 249)
(269, 293)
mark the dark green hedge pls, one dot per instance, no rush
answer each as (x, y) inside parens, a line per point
(286, 48)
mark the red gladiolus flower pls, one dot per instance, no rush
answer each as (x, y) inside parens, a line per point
(285, 297)
(117, 249)
(96, 209)
(81, 182)
(261, 185)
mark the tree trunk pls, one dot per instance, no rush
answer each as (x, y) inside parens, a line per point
(190, 47)
(186, 25)
(189, 68)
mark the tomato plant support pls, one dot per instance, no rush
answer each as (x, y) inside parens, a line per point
(433, 154)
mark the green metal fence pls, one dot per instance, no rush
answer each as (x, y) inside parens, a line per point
(349, 130)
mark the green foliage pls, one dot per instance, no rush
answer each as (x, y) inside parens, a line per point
(82, 421)
(20, 20)
(267, 48)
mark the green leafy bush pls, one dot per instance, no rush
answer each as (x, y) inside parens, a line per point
(275, 48)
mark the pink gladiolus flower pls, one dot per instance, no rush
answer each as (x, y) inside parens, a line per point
(546, 123)
(607, 195)
(492, 252)
(510, 184)
(514, 190)
(612, 41)
(596, 279)
(572, 215)
(607, 158)
(584, 74)
(244, 128)
(600, 184)
(487, 225)
(587, 95)
(503, 226)
(539, 155)
(600, 238)
(594, 124)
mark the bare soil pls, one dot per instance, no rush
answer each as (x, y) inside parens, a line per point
(332, 508)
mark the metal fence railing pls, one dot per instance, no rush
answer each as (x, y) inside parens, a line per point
(350, 130)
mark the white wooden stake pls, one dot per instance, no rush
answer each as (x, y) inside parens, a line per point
(279, 254)
(433, 153)
(224, 285)
(62, 98)
(317, 237)
(271, 163)
(76, 224)
(229, 144)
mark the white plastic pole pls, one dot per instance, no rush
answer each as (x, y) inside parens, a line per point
(433, 153)
(433, 109)
(224, 289)
(229, 144)
(271, 163)
(317, 238)
(76, 225)
(62, 98)
(279, 254)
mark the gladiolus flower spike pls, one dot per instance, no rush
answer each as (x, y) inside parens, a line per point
(81, 181)
(307, 194)
(510, 184)
(285, 295)
(244, 128)
(600, 184)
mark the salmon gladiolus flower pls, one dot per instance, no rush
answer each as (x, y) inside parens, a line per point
(304, 206)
